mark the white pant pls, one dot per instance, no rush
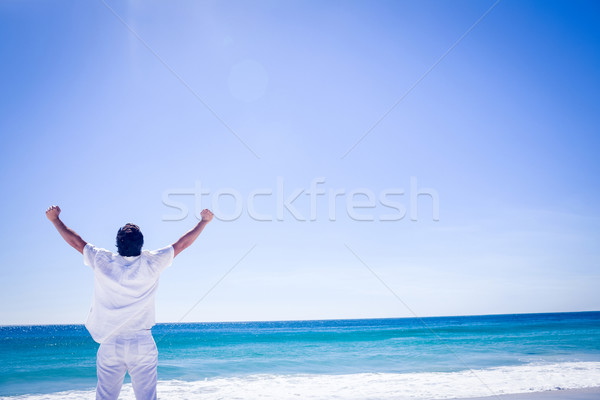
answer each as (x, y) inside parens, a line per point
(135, 353)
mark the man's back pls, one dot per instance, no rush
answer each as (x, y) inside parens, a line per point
(124, 290)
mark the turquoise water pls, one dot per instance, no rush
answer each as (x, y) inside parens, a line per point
(46, 359)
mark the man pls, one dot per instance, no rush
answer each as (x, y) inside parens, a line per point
(122, 310)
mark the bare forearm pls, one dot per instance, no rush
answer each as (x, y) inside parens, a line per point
(189, 237)
(70, 236)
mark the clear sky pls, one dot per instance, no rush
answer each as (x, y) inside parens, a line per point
(239, 97)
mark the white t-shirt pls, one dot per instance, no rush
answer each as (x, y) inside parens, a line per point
(124, 289)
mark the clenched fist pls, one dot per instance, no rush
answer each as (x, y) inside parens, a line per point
(52, 213)
(207, 215)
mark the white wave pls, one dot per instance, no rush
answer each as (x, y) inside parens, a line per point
(388, 386)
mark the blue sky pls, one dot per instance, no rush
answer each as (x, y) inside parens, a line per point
(240, 95)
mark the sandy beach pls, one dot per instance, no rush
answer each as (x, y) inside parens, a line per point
(570, 394)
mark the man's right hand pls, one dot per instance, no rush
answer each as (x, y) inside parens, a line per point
(52, 213)
(206, 215)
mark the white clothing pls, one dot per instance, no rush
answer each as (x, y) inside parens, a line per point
(124, 290)
(135, 353)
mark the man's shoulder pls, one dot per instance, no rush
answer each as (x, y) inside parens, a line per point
(162, 257)
(162, 250)
(94, 256)
(98, 250)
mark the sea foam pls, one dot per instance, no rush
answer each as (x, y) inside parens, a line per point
(409, 386)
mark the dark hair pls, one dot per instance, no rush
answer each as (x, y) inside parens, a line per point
(130, 240)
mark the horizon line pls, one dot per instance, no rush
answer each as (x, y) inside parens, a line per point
(324, 319)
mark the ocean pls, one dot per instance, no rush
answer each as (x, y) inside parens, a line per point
(405, 358)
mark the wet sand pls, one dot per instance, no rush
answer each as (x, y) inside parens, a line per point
(569, 394)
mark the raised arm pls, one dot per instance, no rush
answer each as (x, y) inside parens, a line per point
(67, 233)
(186, 240)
